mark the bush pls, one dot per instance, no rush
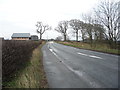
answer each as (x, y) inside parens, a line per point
(15, 55)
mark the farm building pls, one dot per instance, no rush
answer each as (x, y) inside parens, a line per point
(20, 36)
(34, 37)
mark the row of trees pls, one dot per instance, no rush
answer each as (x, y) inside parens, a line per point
(87, 30)
(103, 25)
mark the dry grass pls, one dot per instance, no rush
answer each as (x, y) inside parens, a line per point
(96, 47)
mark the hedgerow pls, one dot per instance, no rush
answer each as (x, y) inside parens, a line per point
(15, 55)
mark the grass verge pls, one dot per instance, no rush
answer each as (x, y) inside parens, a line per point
(96, 47)
(33, 76)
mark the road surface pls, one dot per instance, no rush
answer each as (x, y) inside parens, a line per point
(69, 67)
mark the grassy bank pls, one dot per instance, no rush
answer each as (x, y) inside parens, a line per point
(33, 76)
(96, 47)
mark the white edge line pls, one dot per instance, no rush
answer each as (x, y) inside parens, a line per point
(80, 74)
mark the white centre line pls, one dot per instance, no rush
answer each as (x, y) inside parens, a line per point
(83, 54)
(79, 73)
(95, 57)
(90, 56)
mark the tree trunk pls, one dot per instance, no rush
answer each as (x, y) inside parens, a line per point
(83, 38)
(76, 35)
(91, 41)
(40, 36)
(64, 37)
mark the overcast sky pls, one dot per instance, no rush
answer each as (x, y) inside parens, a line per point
(20, 16)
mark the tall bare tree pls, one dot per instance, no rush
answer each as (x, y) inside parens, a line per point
(107, 13)
(62, 28)
(99, 32)
(88, 26)
(76, 25)
(42, 28)
(83, 31)
(119, 18)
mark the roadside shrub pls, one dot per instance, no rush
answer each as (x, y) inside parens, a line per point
(15, 55)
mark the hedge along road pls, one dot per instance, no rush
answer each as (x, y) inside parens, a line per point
(69, 67)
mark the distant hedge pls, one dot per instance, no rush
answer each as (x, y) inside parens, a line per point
(15, 54)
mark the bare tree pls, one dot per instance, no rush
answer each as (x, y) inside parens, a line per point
(83, 31)
(42, 28)
(99, 32)
(88, 26)
(119, 19)
(107, 13)
(76, 25)
(62, 28)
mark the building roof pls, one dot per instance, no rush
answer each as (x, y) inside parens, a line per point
(21, 35)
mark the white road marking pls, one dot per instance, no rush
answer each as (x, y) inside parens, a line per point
(51, 50)
(54, 53)
(83, 54)
(95, 57)
(90, 56)
(83, 75)
(79, 73)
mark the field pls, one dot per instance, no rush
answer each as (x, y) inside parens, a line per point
(100, 47)
(17, 57)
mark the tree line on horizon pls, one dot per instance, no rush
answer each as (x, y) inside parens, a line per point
(102, 25)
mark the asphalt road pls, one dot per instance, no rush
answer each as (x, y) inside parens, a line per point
(69, 67)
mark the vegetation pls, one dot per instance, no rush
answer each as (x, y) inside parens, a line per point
(101, 47)
(42, 28)
(99, 26)
(22, 67)
(62, 28)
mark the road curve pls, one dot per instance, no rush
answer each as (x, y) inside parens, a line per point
(69, 67)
